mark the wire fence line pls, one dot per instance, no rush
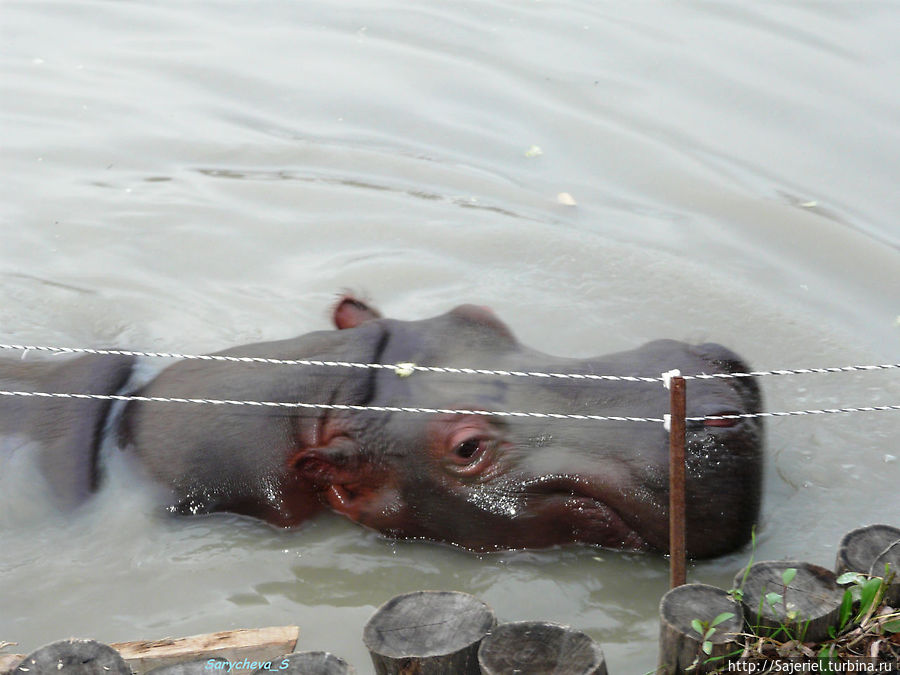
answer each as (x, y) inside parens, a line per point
(327, 406)
(448, 411)
(407, 369)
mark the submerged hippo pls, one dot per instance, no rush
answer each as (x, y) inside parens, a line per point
(480, 482)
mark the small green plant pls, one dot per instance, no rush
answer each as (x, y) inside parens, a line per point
(864, 624)
(706, 629)
(868, 592)
(844, 614)
(737, 594)
(771, 599)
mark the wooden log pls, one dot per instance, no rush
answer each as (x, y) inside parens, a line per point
(680, 645)
(539, 648)
(234, 646)
(428, 633)
(199, 667)
(308, 663)
(74, 657)
(867, 550)
(802, 609)
(241, 648)
(8, 662)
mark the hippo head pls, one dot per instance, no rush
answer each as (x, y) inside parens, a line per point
(478, 481)
(507, 482)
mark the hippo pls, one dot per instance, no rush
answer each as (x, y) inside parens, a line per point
(455, 474)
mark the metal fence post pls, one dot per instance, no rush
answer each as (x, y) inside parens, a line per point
(677, 563)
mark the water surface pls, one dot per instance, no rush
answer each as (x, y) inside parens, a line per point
(187, 177)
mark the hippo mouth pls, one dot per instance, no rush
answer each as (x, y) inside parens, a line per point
(590, 516)
(604, 526)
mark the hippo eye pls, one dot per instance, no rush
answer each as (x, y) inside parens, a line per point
(468, 448)
(471, 449)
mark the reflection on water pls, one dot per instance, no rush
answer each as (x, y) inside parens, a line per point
(191, 177)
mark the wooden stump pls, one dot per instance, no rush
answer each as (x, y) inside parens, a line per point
(308, 663)
(867, 550)
(539, 648)
(803, 610)
(74, 657)
(239, 649)
(680, 645)
(428, 633)
(8, 662)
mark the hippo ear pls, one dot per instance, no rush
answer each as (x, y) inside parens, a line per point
(349, 312)
(349, 483)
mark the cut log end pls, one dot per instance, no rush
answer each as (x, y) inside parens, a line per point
(867, 550)
(74, 657)
(680, 645)
(539, 648)
(238, 650)
(435, 631)
(803, 609)
(308, 663)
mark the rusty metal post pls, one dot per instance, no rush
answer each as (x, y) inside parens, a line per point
(677, 563)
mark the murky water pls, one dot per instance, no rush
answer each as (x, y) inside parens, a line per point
(191, 176)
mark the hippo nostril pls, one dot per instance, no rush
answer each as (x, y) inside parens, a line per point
(723, 418)
(715, 415)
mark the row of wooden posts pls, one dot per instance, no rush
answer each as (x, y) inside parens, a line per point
(451, 633)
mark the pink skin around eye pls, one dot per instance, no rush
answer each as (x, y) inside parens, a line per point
(469, 450)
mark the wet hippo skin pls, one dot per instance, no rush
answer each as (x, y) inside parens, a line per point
(483, 483)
